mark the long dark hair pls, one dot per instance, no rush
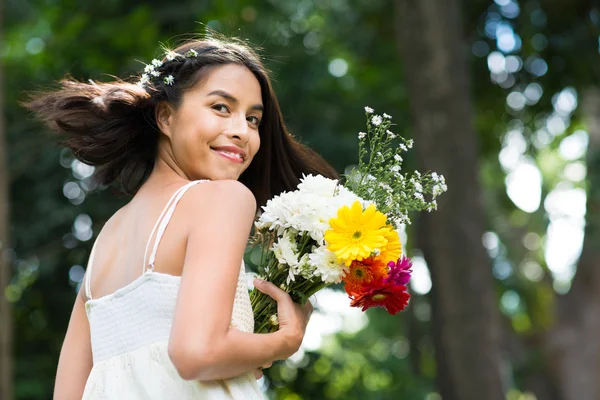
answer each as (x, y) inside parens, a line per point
(112, 125)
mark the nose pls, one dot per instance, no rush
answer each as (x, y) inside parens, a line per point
(238, 128)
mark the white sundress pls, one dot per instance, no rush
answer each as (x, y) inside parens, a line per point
(130, 331)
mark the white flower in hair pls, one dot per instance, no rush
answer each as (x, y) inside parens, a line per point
(155, 73)
(168, 80)
(191, 53)
(143, 80)
(171, 55)
(149, 68)
(156, 63)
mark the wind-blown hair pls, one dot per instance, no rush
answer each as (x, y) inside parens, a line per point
(112, 125)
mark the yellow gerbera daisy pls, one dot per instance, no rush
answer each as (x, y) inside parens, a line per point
(393, 249)
(355, 234)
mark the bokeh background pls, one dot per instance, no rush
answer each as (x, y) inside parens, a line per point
(500, 96)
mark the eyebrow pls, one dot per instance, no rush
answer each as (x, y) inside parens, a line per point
(225, 95)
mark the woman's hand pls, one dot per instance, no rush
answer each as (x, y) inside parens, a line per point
(258, 372)
(293, 317)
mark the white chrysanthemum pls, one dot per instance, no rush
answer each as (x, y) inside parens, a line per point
(369, 110)
(318, 184)
(286, 251)
(398, 158)
(326, 265)
(361, 135)
(387, 116)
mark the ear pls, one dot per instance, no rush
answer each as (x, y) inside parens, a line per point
(164, 117)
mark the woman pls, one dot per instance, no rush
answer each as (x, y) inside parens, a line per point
(164, 311)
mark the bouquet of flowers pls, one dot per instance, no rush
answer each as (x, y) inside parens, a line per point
(330, 231)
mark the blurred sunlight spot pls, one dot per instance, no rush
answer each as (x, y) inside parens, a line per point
(513, 64)
(338, 67)
(422, 311)
(76, 273)
(513, 147)
(539, 41)
(575, 172)
(81, 170)
(532, 241)
(524, 185)
(557, 124)
(491, 242)
(420, 282)
(248, 14)
(480, 48)
(538, 18)
(502, 3)
(491, 24)
(510, 10)
(510, 302)
(542, 138)
(496, 62)
(312, 41)
(574, 146)
(533, 93)
(35, 46)
(502, 268)
(536, 66)
(332, 314)
(565, 201)
(565, 206)
(532, 271)
(516, 101)
(215, 24)
(401, 348)
(320, 325)
(82, 227)
(506, 39)
(433, 396)
(565, 102)
(71, 190)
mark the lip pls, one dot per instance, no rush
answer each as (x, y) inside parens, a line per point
(230, 149)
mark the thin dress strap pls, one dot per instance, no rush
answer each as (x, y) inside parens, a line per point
(88, 272)
(161, 224)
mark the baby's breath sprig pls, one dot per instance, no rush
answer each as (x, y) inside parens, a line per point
(378, 176)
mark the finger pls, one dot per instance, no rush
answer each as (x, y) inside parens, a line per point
(258, 373)
(271, 290)
(308, 307)
(267, 365)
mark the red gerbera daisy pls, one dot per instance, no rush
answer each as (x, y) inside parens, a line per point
(362, 272)
(379, 293)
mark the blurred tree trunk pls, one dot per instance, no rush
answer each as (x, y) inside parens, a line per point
(465, 316)
(573, 348)
(6, 370)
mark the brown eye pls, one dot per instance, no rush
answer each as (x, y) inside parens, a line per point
(253, 120)
(221, 108)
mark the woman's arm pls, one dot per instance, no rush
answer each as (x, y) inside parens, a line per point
(202, 346)
(75, 361)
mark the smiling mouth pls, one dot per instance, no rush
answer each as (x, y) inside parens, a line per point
(235, 157)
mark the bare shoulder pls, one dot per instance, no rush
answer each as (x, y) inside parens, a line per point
(218, 194)
(219, 200)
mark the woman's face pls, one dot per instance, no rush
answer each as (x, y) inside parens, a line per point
(213, 134)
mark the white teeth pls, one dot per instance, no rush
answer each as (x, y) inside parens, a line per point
(237, 155)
